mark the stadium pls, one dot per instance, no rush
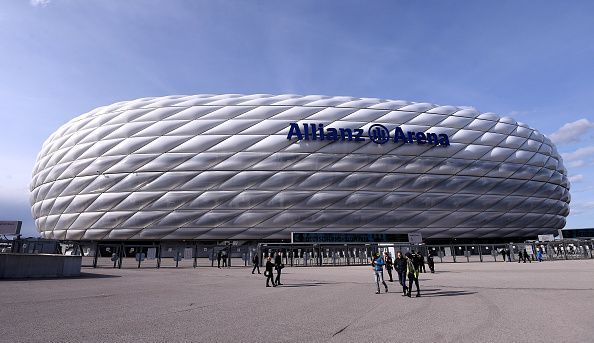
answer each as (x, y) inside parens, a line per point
(267, 167)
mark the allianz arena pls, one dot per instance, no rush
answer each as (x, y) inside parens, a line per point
(259, 167)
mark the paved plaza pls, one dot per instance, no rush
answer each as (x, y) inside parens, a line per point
(472, 302)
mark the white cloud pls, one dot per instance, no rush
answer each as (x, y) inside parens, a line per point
(576, 178)
(578, 154)
(571, 132)
(581, 208)
(576, 163)
(39, 3)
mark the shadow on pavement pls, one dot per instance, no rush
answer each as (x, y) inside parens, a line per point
(445, 293)
(81, 276)
(308, 284)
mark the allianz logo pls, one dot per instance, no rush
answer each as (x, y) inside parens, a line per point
(377, 133)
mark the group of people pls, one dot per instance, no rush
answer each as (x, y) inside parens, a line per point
(523, 255)
(504, 253)
(269, 269)
(223, 256)
(407, 266)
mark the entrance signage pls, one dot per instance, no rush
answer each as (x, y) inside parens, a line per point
(415, 238)
(377, 133)
(10, 227)
(345, 237)
(546, 238)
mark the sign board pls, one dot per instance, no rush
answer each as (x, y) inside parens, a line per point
(415, 238)
(377, 133)
(345, 237)
(546, 238)
(10, 227)
(151, 253)
(188, 252)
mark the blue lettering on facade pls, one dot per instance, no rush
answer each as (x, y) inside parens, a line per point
(377, 133)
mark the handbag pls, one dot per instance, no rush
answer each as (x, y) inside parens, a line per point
(266, 273)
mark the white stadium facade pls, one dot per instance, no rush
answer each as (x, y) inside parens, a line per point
(261, 167)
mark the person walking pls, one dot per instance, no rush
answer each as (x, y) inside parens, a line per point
(508, 255)
(422, 263)
(268, 272)
(224, 258)
(256, 262)
(400, 266)
(278, 265)
(431, 263)
(378, 268)
(520, 256)
(414, 257)
(416, 260)
(389, 264)
(219, 256)
(526, 257)
(503, 253)
(539, 255)
(412, 274)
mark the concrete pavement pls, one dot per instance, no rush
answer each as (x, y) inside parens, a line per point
(471, 302)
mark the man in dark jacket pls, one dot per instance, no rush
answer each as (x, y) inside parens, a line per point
(219, 257)
(400, 266)
(416, 259)
(268, 272)
(278, 265)
(256, 262)
(389, 264)
(422, 263)
(431, 263)
(526, 257)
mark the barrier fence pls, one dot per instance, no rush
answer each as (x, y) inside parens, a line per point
(194, 254)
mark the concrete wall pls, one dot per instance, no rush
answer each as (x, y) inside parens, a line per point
(38, 265)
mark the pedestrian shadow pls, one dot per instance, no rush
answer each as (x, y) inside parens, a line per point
(307, 284)
(82, 275)
(439, 293)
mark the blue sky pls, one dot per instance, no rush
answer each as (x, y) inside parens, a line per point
(532, 60)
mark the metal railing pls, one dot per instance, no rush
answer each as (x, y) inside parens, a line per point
(195, 254)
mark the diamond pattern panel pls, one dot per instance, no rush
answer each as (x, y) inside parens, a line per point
(221, 167)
